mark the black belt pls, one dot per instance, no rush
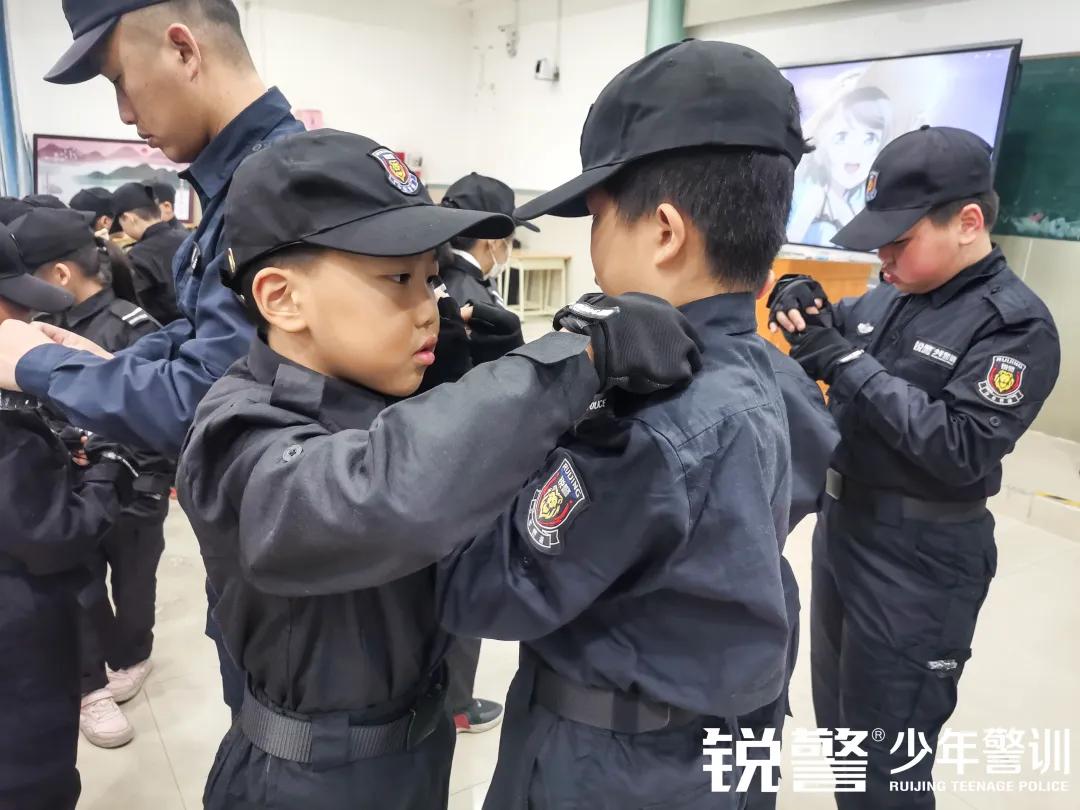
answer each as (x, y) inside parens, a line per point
(844, 489)
(152, 483)
(331, 741)
(608, 709)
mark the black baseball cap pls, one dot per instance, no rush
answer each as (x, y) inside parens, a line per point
(475, 192)
(338, 190)
(164, 192)
(48, 234)
(693, 93)
(91, 22)
(44, 201)
(914, 174)
(97, 201)
(131, 196)
(18, 285)
(11, 208)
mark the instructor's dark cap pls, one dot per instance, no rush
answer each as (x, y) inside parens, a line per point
(18, 285)
(11, 208)
(91, 22)
(690, 94)
(47, 234)
(338, 190)
(97, 201)
(913, 175)
(131, 196)
(475, 192)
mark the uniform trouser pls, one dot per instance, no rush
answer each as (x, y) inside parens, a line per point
(39, 692)
(122, 636)
(245, 778)
(549, 763)
(893, 608)
(462, 659)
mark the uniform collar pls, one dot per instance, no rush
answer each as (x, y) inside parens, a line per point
(990, 265)
(724, 314)
(341, 405)
(215, 165)
(467, 262)
(156, 229)
(89, 308)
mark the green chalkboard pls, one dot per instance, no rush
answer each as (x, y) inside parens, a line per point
(1038, 174)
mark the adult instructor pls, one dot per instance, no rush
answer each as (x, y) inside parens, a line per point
(185, 80)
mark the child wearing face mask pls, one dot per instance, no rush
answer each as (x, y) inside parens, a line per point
(471, 264)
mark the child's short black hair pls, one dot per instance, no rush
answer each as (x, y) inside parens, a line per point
(988, 202)
(739, 199)
(146, 213)
(90, 260)
(465, 243)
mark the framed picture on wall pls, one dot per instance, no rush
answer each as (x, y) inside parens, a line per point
(64, 165)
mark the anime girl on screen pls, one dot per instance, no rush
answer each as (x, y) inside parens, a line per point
(847, 131)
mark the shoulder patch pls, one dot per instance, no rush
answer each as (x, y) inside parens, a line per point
(1004, 378)
(131, 314)
(560, 500)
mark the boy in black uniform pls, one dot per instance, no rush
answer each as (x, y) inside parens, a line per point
(63, 251)
(53, 514)
(97, 201)
(934, 376)
(640, 567)
(156, 243)
(165, 194)
(475, 261)
(321, 498)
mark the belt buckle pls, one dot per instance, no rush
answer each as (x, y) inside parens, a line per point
(423, 718)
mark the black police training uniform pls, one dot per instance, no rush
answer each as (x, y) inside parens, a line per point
(320, 512)
(904, 548)
(465, 282)
(134, 545)
(53, 515)
(152, 259)
(640, 568)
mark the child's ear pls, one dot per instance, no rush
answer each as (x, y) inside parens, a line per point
(671, 234)
(62, 273)
(768, 285)
(972, 223)
(274, 292)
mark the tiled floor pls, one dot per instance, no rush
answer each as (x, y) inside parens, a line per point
(1023, 674)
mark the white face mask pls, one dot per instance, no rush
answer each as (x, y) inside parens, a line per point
(498, 268)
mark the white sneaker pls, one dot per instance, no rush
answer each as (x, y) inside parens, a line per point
(102, 721)
(127, 683)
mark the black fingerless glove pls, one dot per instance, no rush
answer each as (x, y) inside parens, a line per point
(495, 332)
(111, 462)
(793, 291)
(640, 343)
(452, 353)
(822, 352)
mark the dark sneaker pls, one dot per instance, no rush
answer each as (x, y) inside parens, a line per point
(480, 715)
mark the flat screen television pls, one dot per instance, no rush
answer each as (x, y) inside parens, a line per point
(851, 110)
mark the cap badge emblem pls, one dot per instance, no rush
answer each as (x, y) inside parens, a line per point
(398, 174)
(871, 186)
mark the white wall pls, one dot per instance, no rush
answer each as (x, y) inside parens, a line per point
(527, 132)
